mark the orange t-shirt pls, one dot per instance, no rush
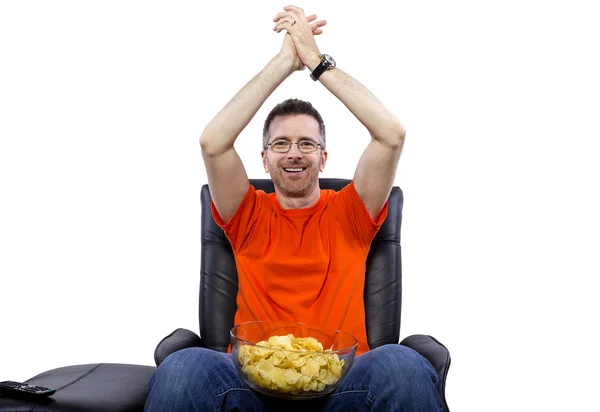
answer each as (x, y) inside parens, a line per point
(303, 265)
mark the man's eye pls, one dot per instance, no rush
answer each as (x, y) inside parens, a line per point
(307, 144)
(280, 144)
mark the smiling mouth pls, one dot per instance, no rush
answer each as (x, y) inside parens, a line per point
(294, 169)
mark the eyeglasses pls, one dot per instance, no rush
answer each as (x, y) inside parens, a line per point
(283, 146)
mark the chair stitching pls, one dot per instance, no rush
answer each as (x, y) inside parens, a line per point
(81, 377)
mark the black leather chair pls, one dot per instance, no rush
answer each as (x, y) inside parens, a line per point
(120, 387)
(382, 295)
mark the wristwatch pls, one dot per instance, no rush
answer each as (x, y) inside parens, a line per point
(327, 63)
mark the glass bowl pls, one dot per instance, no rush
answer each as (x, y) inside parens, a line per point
(287, 367)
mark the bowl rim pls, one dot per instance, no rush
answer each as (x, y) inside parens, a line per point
(348, 349)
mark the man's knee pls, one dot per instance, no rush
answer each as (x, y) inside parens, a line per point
(403, 362)
(185, 365)
(188, 380)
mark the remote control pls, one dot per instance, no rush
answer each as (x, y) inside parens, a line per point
(18, 389)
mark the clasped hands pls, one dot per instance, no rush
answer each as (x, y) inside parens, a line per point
(299, 42)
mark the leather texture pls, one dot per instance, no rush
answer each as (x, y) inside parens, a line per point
(176, 340)
(99, 387)
(437, 354)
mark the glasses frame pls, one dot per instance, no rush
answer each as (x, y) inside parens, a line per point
(296, 143)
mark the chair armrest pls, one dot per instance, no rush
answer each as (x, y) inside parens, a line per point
(437, 354)
(176, 340)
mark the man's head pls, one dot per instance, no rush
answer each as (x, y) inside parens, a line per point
(294, 147)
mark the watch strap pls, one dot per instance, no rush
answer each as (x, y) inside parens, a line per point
(319, 70)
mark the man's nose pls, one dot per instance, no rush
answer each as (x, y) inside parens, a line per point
(294, 152)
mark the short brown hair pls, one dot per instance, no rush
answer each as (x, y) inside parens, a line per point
(291, 107)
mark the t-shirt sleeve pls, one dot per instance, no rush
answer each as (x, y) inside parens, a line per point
(241, 225)
(355, 215)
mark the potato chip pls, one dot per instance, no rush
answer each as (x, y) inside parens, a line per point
(278, 365)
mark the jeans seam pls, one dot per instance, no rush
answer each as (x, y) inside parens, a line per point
(349, 391)
(232, 389)
(370, 401)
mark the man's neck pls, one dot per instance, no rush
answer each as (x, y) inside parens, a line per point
(303, 202)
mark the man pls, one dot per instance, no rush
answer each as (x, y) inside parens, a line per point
(301, 252)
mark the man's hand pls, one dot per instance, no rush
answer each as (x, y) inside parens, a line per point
(300, 44)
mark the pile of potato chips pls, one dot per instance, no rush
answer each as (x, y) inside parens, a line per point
(275, 366)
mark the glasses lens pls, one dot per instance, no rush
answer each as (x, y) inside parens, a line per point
(281, 146)
(307, 146)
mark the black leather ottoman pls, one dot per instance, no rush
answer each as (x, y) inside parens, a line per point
(98, 387)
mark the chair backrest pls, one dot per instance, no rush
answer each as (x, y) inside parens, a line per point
(219, 281)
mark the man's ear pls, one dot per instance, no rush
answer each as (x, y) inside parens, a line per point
(263, 154)
(323, 160)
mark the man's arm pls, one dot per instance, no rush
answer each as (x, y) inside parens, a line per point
(377, 166)
(376, 169)
(227, 178)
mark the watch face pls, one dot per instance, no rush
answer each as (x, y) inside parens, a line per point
(329, 60)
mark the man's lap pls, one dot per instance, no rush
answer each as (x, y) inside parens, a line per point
(379, 370)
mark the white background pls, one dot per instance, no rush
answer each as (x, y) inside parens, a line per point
(101, 108)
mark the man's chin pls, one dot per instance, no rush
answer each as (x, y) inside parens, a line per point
(292, 189)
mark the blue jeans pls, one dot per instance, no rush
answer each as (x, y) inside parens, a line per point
(391, 378)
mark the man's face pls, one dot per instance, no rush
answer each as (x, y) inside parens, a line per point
(283, 167)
